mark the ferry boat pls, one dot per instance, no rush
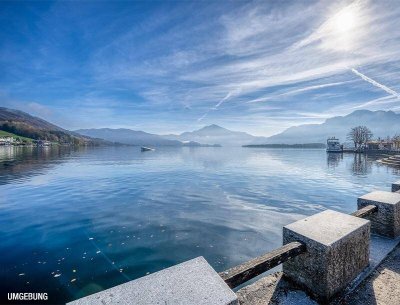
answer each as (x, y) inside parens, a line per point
(333, 145)
(144, 148)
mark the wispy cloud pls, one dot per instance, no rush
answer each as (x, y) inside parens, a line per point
(297, 91)
(378, 102)
(156, 69)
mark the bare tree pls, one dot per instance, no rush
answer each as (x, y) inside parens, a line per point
(366, 134)
(354, 136)
(359, 135)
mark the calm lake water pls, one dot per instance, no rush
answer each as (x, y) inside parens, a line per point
(74, 222)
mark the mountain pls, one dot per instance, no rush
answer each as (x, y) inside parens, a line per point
(217, 134)
(381, 123)
(17, 116)
(23, 124)
(128, 136)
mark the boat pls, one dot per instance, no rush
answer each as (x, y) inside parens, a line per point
(333, 145)
(144, 148)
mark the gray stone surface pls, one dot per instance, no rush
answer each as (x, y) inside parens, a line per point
(337, 252)
(273, 290)
(380, 248)
(396, 186)
(382, 288)
(191, 282)
(386, 221)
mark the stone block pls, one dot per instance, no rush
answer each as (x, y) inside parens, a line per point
(386, 221)
(191, 282)
(337, 252)
(396, 186)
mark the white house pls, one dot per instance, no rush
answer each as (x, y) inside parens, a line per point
(6, 140)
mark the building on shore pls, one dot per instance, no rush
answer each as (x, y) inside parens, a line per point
(42, 143)
(390, 145)
(7, 140)
(372, 146)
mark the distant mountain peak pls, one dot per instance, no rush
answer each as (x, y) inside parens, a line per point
(369, 112)
(215, 134)
(382, 123)
(128, 136)
(212, 127)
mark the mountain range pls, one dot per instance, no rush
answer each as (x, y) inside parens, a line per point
(128, 136)
(212, 135)
(216, 134)
(381, 123)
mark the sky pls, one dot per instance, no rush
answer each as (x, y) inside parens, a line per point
(174, 66)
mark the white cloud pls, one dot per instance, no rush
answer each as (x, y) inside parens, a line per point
(185, 66)
(297, 91)
(257, 47)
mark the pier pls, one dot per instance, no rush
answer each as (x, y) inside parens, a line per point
(327, 258)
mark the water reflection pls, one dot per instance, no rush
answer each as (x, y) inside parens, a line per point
(18, 163)
(362, 164)
(333, 159)
(359, 164)
(79, 220)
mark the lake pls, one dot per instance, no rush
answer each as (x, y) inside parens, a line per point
(77, 221)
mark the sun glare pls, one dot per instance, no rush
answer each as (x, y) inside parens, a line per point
(345, 21)
(343, 29)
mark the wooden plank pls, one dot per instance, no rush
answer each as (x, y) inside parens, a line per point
(365, 211)
(246, 271)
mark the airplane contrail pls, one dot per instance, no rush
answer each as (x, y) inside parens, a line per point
(202, 117)
(375, 83)
(219, 103)
(223, 100)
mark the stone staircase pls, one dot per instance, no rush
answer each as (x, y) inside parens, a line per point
(392, 160)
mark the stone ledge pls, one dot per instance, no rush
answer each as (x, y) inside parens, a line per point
(386, 221)
(327, 227)
(273, 289)
(191, 282)
(382, 196)
(337, 251)
(396, 186)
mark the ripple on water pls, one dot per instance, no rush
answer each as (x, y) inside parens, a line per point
(79, 221)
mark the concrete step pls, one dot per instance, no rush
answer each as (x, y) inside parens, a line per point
(389, 163)
(391, 160)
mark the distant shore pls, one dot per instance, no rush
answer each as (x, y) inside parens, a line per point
(307, 145)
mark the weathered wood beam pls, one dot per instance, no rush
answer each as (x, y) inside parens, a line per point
(365, 211)
(248, 270)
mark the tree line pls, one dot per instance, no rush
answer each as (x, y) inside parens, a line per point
(361, 135)
(25, 130)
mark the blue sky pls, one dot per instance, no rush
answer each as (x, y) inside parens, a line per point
(169, 67)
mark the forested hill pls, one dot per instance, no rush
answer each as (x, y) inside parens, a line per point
(26, 125)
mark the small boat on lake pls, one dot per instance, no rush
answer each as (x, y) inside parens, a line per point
(144, 148)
